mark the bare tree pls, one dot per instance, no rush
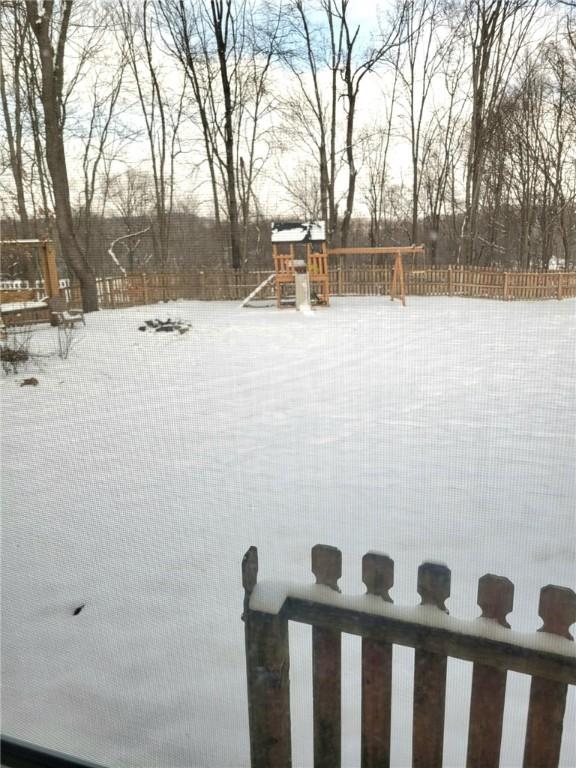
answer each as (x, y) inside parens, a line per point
(49, 24)
(162, 115)
(496, 31)
(226, 49)
(13, 97)
(427, 43)
(353, 73)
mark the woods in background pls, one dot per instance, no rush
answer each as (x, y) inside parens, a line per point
(191, 124)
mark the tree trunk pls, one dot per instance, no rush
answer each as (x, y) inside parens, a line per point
(220, 16)
(352, 172)
(51, 97)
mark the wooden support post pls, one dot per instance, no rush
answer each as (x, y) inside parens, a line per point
(268, 679)
(495, 597)
(557, 610)
(559, 293)
(401, 277)
(49, 270)
(393, 284)
(430, 677)
(450, 287)
(326, 667)
(378, 576)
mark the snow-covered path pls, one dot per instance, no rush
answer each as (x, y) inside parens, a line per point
(140, 469)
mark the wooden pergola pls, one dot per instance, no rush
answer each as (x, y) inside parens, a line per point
(397, 286)
(22, 305)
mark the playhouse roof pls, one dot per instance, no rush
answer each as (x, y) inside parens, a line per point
(298, 232)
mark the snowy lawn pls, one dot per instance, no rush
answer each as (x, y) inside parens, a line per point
(138, 472)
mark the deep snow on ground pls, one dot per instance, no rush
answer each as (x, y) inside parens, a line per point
(138, 472)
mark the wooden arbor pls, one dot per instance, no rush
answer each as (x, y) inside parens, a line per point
(22, 305)
(312, 236)
(397, 286)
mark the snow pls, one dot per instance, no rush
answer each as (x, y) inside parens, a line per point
(140, 469)
(314, 231)
(269, 597)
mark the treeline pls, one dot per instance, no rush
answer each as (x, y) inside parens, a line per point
(158, 134)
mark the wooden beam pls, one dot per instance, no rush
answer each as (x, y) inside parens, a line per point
(495, 597)
(378, 576)
(268, 678)
(49, 270)
(547, 697)
(326, 667)
(459, 645)
(390, 250)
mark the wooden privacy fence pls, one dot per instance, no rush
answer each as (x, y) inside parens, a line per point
(548, 656)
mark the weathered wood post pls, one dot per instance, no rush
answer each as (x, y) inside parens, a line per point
(378, 576)
(430, 676)
(557, 610)
(495, 597)
(268, 677)
(326, 667)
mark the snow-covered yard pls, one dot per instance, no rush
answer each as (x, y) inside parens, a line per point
(138, 471)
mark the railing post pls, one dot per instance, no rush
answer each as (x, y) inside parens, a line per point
(326, 667)
(557, 610)
(430, 676)
(268, 678)
(495, 597)
(378, 576)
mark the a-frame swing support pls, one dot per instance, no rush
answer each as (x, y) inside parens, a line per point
(397, 285)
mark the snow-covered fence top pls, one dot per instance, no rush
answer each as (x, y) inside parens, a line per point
(548, 655)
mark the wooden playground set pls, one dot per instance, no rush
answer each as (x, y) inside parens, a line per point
(302, 279)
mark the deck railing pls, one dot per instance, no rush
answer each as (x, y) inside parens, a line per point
(548, 656)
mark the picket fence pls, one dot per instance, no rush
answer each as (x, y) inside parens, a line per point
(227, 284)
(547, 656)
(370, 280)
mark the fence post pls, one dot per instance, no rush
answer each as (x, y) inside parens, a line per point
(430, 677)
(559, 296)
(557, 610)
(505, 289)
(268, 679)
(326, 667)
(495, 597)
(450, 287)
(378, 576)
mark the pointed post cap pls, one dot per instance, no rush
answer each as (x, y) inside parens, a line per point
(327, 565)
(557, 610)
(250, 570)
(378, 574)
(434, 584)
(495, 597)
